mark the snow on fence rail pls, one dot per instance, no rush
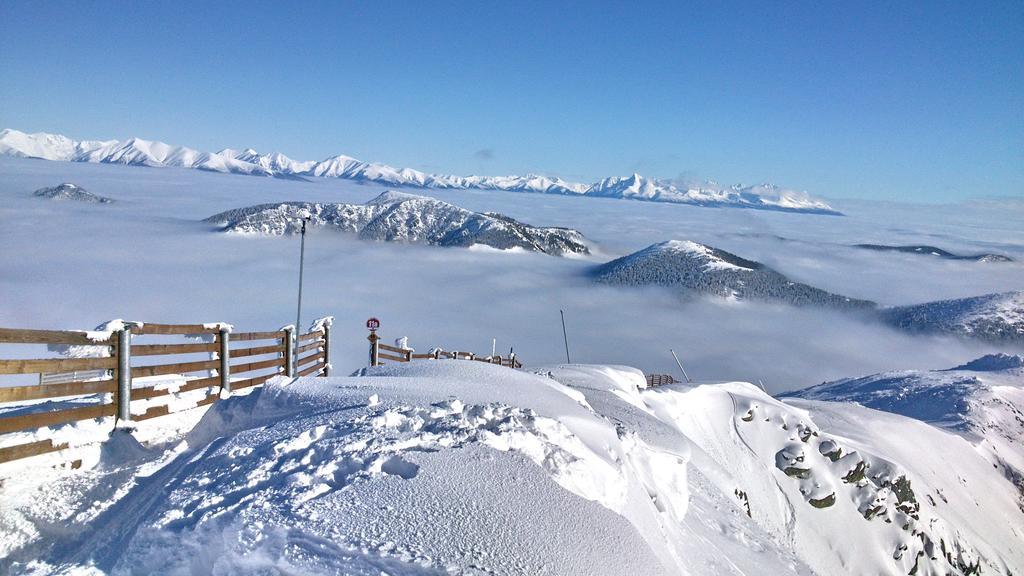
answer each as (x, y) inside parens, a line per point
(126, 370)
(380, 353)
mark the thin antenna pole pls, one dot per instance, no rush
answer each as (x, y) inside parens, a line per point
(680, 364)
(565, 338)
(302, 263)
(494, 346)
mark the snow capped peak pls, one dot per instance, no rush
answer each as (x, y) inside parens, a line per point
(394, 197)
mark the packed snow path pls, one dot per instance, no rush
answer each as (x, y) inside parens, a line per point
(467, 468)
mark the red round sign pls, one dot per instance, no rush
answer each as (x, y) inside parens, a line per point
(373, 324)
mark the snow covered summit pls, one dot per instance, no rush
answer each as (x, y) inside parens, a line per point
(993, 317)
(399, 217)
(694, 268)
(68, 191)
(138, 152)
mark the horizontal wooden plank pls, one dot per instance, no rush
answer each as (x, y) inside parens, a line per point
(40, 419)
(422, 356)
(54, 365)
(308, 347)
(152, 412)
(239, 368)
(25, 336)
(312, 369)
(383, 356)
(245, 336)
(161, 349)
(180, 368)
(256, 351)
(302, 361)
(311, 335)
(240, 384)
(149, 392)
(31, 449)
(210, 399)
(40, 391)
(392, 348)
(154, 328)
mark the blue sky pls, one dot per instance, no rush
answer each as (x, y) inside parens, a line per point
(919, 101)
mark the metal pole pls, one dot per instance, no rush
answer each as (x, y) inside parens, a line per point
(566, 338)
(225, 357)
(124, 374)
(680, 364)
(302, 262)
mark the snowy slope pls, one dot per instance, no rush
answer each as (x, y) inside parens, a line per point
(399, 217)
(138, 152)
(994, 317)
(691, 267)
(982, 400)
(469, 468)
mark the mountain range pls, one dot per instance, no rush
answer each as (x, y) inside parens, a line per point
(399, 217)
(139, 152)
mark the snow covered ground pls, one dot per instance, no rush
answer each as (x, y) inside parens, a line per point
(461, 467)
(148, 256)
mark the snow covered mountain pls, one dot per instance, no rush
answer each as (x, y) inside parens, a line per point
(694, 268)
(399, 217)
(994, 317)
(74, 192)
(138, 152)
(982, 401)
(469, 468)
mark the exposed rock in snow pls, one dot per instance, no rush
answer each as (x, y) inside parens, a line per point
(138, 152)
(983, 401)
(74, 192)
(694, 268)
(938, 252)
(995, 317)
(399, 217)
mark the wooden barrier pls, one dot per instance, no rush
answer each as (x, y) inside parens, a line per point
(380, 353)
(258, 356)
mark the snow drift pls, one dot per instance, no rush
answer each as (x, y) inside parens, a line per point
(462, 467)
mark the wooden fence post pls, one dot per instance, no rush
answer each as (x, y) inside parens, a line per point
(327, 348)
(289, 351)
(374, 351)
(225, 360)
(124, 374)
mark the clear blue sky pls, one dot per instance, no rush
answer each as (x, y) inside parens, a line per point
(918, 101)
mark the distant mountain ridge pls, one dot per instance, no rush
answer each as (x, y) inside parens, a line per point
(399, 217)
(139, 152)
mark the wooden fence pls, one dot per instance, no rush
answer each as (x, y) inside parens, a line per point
(125, 368)
(659, 380)
(381, 353)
